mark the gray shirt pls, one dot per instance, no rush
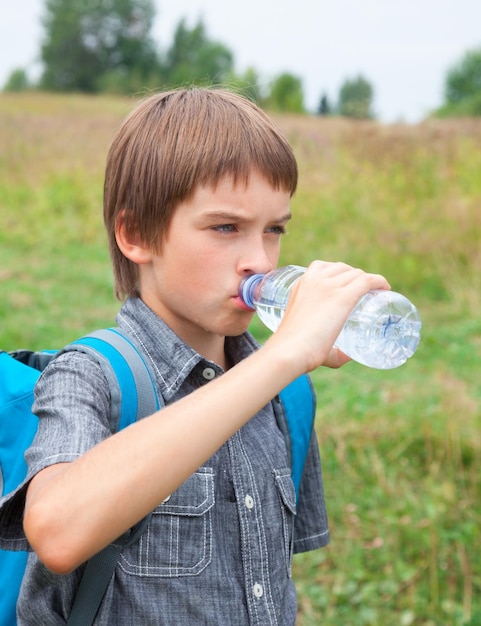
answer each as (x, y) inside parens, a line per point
(219, 549)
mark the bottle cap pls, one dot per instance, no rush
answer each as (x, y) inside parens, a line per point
(247, 289)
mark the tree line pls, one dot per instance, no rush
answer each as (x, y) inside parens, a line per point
(106, 46)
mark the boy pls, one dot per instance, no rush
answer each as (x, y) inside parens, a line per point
(197, 191)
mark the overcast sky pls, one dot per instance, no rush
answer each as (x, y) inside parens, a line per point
(403, 47)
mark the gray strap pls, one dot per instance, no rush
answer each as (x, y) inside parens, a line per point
(98, 574)
(130, 379)
(93, 585)
(100, 568)
(148, 399)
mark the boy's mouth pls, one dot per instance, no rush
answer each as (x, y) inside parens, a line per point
(241, 304)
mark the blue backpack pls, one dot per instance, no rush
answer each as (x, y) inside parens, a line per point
(133, 396)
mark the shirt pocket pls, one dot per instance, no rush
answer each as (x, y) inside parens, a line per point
(287, 498)
(178, 540)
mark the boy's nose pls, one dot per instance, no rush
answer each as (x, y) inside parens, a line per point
(255, 260)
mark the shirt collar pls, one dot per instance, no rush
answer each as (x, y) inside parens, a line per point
(171, 358)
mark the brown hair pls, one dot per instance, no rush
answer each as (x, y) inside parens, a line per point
(171, 144)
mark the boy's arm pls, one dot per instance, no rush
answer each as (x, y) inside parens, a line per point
(73, 510)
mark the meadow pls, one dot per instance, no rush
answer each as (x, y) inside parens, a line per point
(401, 449)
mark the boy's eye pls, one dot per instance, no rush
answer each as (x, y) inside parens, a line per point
(232, 228)
(225, 228)
(277, 230)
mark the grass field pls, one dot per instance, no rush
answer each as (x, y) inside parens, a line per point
(401, 449)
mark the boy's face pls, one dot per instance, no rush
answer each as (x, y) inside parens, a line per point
(214, 240)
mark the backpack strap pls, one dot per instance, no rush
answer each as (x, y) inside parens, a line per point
(133, 396)
(97, 575)
(296, 422)
(131, 384)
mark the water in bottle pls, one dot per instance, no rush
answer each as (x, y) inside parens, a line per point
(382, 331)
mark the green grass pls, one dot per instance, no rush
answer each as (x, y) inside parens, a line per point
(401, 449)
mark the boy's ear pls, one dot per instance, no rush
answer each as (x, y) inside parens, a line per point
(129, 245)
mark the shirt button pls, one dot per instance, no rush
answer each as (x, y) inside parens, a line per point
(258, 590)
(208, 373)
(249, 502)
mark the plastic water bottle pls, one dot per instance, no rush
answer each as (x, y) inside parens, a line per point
(382, 331)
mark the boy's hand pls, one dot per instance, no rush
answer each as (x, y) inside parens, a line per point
(318, 307)
(336, 358)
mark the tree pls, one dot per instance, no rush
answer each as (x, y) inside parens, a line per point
(17, 81)
(85, 41)
(355, 98)
(194, 59)
(324, 106)
(286, 94)
(463, 86)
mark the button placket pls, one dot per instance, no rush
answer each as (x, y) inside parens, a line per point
(253, 536)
